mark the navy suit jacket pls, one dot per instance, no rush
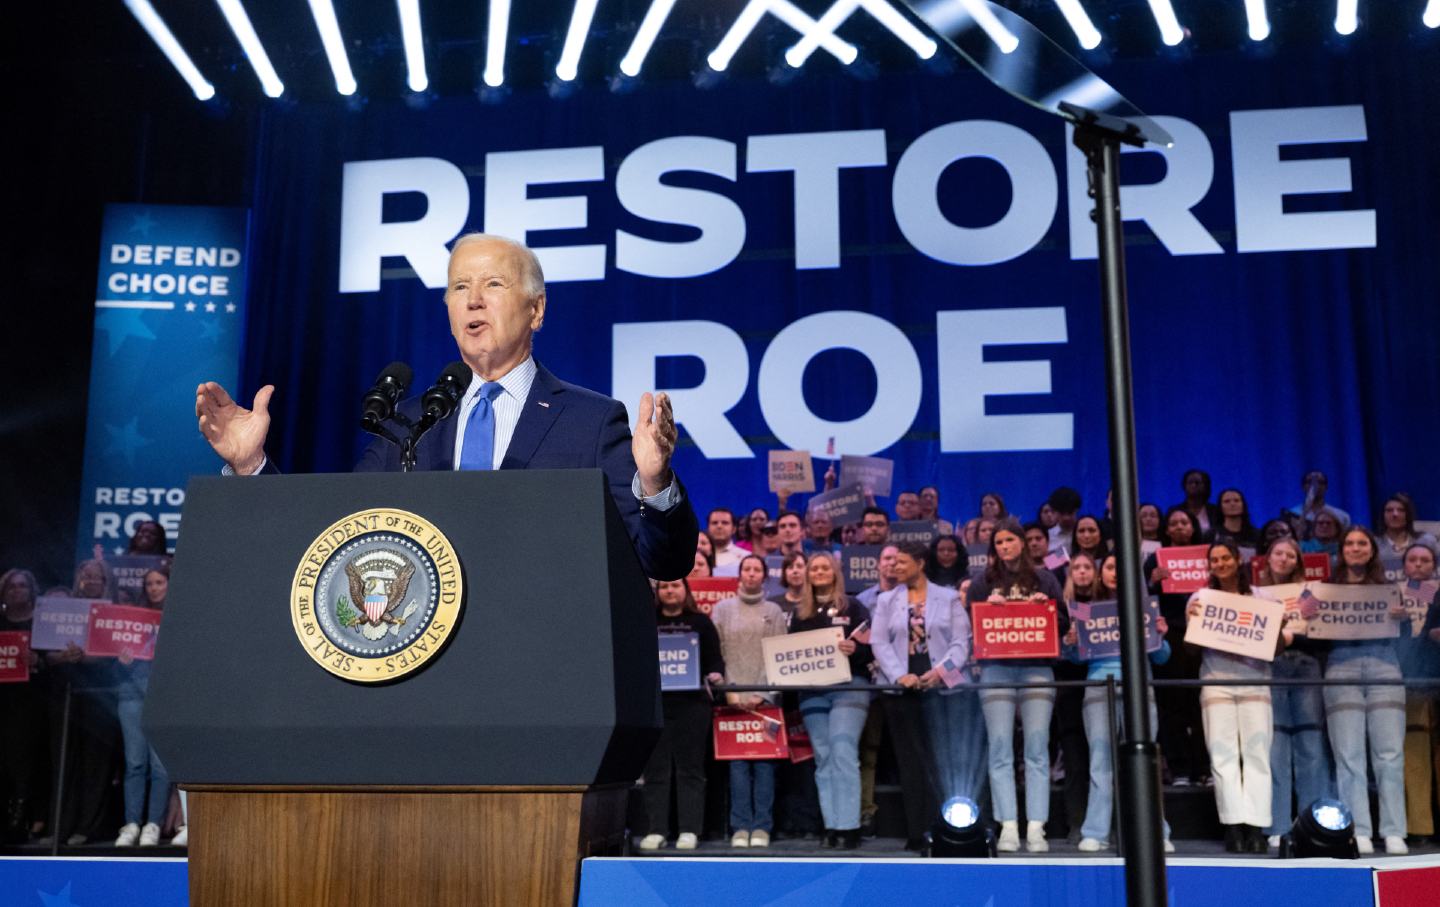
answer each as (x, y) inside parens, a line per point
(563, 426)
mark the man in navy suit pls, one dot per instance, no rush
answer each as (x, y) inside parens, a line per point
(515, 415)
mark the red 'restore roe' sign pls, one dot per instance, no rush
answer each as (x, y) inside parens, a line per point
(750, 733)
(119, 629)
(1189, 568)
(1024, 629)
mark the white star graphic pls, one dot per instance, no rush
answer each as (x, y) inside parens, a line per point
(209, 306)
(230, 308)
(190, 306)
(119, 550)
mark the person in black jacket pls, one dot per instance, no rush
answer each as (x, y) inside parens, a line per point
(681, 749)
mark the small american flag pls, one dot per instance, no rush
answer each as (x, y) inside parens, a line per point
(1080, 611)
(830, 448)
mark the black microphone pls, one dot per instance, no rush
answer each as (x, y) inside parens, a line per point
(380, 400)
(447, 392)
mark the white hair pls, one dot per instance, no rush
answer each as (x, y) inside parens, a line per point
(534, 275)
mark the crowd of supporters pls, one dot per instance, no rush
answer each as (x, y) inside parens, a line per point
(1265, 750)
(110, 785)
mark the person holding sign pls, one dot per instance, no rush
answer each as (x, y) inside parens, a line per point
(679, 754)
(22, 715)
(1099, 804)
(1366, 714)
(1299, 766)
(742, 621)
(921, 641)
(132, 676)
(1012, 577)
(1180, 734)
(835, 719)
(1419, 657)
(1238, 720)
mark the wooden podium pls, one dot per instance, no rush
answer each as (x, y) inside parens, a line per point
(485, 776)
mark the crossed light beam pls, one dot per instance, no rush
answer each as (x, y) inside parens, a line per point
(814, 34)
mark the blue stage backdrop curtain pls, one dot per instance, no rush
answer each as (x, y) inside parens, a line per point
(1254, 366)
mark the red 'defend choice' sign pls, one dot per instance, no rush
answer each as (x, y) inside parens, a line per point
(1316, 563)
(711, 589)
(14, 656)
(1015, 630)
(117, 629)
(1189, 568)
(750, 733)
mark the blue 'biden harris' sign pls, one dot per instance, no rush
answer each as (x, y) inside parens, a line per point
(169, 314)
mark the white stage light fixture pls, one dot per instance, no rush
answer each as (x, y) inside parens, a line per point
(414, 40)
(329, 27)
(160, 33)
(1431, 17)
(1258, 20)
(495, 35)
(950, 16)
(786, 12)
(655, 16)
(250, 42)
(1080, 24)
(924, 46)
(1170, 31)
(1347, 16)
(580, 19)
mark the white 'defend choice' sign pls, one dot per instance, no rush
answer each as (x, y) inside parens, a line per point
(1238, 624)
(1353, 612)
(812, 657)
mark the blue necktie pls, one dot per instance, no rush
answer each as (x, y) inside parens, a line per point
(478, 449)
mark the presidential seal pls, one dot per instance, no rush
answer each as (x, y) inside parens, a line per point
(376, 595)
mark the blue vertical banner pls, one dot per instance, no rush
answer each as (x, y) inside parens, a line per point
(169, 314)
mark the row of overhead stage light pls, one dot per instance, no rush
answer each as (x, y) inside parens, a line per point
(815, 34)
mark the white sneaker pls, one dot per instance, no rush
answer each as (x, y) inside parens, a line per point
(1092, 845)
(1035, 837)
(1169, 846)
(150, 835)
(182, 837)
(1395, 846)
(686, 841)
(1275, 841)
(740, 839)
(652, 842)
(129, 834)
(1009, 837)
(1365, 846)
(759, 838)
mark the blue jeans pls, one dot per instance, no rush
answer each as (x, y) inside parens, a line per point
(140, 759)
(752, 795)
(835, 722)
(1035, 706)
(1299, 764)
(1100, 805)
(1373, 714)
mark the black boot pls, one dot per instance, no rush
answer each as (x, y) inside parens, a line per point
(830, 839)
(1255, 840)
(1234, 839)
(849, 839)
(14, 830)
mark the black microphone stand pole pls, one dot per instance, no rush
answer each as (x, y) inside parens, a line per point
(1099, 137)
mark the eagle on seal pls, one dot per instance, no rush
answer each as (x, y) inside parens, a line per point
(378, 600)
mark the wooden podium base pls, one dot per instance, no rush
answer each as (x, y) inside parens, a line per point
(408, 846)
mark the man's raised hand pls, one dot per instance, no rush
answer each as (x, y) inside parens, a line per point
(237, 434)
(653, 443)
